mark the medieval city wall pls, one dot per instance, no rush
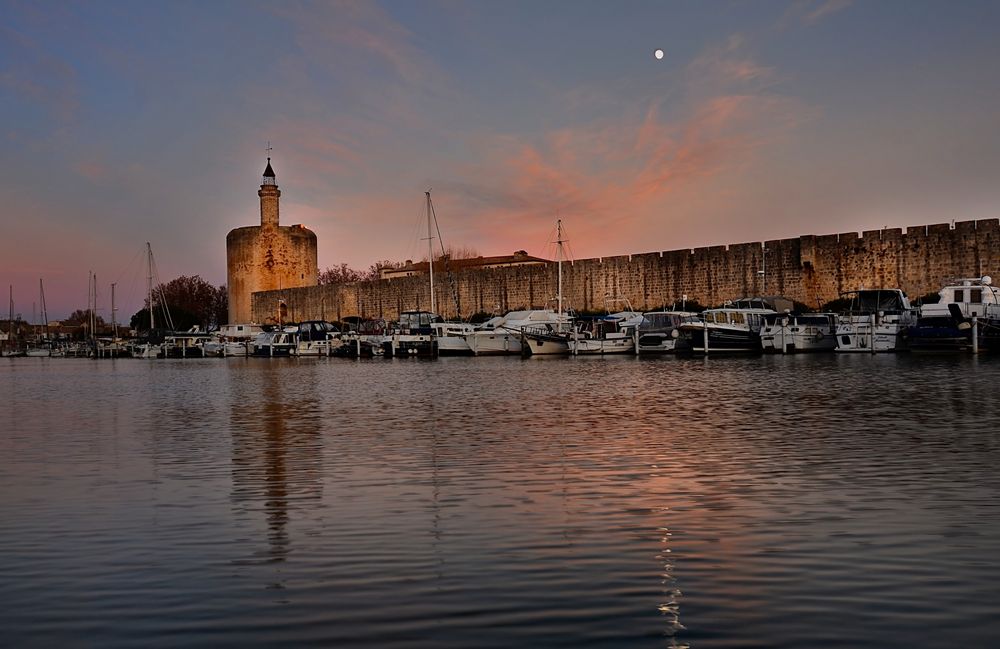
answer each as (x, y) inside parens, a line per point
(810, 269)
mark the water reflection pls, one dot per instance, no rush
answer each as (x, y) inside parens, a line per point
(670, 608)
(276, 450)
(795, 502)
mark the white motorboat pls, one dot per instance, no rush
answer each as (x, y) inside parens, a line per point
(316, 338)
(502, 334)
(146, 350)
(233, 340)
(878, 321)
(945, 325)
(612, 334)
(786, 333)
(451, 337)
(656, 330)
(274, 343)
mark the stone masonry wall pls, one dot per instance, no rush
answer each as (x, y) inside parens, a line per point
(261, 258)
(810, 269)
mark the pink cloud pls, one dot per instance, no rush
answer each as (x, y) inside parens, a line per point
(93, 170)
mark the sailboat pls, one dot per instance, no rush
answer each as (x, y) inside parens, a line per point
(11, 349)
(43, 347)
(148, 349)
(554, 336)
(415, 334)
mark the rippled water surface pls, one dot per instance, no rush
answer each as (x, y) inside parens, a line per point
(835, 501)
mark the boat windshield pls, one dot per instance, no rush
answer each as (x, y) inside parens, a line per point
(417, 319)
(875, 301)
(663, 321)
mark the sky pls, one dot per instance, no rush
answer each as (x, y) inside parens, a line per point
(128, 122)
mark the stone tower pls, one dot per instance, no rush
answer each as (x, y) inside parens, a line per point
(268, 256)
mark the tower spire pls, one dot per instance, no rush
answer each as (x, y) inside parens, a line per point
(269, 195)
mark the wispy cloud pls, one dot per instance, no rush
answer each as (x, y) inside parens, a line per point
(722, 65)
(32, 74)
(612, 179)
(811, 12)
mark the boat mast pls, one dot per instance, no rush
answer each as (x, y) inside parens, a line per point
(430, 249)
(559, 243)
(90, 303)
(149, 283)
(10, 321)
(45, 311)
(114, 321)
(93, 313)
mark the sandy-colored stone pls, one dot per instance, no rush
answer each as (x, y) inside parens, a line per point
(267, 257)
(810, 269)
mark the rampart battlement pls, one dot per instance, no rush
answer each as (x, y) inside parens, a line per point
(812, 269)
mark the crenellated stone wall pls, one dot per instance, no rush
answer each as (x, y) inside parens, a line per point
(810, 269)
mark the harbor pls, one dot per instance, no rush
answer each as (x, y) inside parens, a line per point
(964, 318)
(380, 324)
(787, 501)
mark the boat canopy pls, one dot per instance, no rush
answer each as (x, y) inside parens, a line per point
(876, 300)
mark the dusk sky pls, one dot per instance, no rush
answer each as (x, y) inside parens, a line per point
(127, 122)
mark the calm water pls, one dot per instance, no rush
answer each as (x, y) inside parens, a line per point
(837, 501)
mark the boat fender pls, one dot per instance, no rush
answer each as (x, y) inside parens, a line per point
(819, 335)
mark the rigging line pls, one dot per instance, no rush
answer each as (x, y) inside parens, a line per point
(447, 268)
(129, 265)
(418, 223)
(164, 307)
(130, 285)
(565, 239)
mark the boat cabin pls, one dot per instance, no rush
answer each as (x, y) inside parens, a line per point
(874, 301)
(417, 322)
(974, 297)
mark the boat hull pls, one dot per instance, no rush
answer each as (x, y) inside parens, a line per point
(410, 346)
(720, 340)
(657, 343)
(495, 343)
(546, 344)
(591, 346)
(789, 342)
(866, 339)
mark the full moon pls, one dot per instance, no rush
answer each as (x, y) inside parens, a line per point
(658, 54)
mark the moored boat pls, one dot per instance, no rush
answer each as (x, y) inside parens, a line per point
(733, 328)
(550, 338)
(412, 336)
(878, 320)
(316, 338)
(451, 337)
(657, 328)
(502, 335)
(945, 325)
(274, 343)
(614, 333)
(787, 333)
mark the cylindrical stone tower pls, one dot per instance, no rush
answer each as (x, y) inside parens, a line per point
(268, 256)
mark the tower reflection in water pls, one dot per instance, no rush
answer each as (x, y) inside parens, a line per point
(276, 454)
